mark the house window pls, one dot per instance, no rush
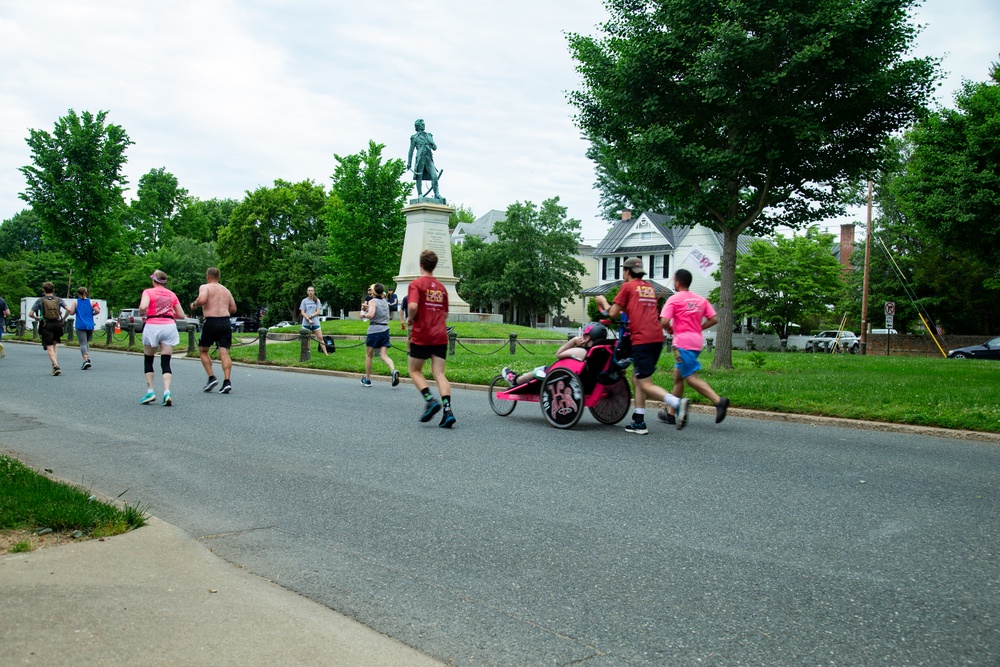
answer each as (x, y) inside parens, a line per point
(604, 268)
(656, 266)
(618, 268)
(646, 236)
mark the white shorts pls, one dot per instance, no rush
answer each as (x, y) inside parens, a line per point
(155, 335)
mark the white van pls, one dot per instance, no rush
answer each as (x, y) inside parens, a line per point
(884, 332)
(99, 318)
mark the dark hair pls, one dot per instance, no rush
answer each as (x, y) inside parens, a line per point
(428, 260)
(379, 289)
(82, 292)
(48, 287)
(683, 276)
(213, 272)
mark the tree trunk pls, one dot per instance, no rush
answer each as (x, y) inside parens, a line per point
(727, 282)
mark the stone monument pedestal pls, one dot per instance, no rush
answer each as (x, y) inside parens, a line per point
(427, 229)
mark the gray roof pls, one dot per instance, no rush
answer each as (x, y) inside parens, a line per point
(674, 236)
(481, 226)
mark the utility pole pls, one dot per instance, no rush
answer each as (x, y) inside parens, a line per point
(864, 289)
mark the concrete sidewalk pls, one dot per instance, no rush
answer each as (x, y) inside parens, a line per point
(156, 596)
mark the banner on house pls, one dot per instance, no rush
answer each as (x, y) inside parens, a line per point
(702, 261)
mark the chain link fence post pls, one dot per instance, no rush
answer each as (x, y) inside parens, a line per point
(110, 326)
(304, 336)
(261, 344)
(190, 340)
(131, 335)
(513, 343)
(452, 337)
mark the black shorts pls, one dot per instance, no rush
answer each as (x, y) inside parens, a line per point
(51, 332)
(216, 331)
(428, 351)
(645, 357)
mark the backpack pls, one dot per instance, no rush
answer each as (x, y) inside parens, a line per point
(50, 308)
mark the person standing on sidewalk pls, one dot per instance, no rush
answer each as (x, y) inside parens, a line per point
(49, 309)
(4, 314)
(638, 299)
(217, 305)
(427, 307)
(162, 309)
(377, 312)
(686, 315)
(84, 309)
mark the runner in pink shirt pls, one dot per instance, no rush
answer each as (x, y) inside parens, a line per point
(686, 315)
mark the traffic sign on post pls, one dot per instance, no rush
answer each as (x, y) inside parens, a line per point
(890, 308)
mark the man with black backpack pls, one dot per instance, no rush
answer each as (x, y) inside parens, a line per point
(49, 309)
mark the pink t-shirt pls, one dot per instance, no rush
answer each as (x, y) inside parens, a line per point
(161, 305)
(687, 310)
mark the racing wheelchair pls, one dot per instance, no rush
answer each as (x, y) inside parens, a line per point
(597, 383)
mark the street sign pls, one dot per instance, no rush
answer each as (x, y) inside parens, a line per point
(890, 308)
(888, 321)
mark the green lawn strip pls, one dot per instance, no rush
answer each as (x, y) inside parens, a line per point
(31, 501)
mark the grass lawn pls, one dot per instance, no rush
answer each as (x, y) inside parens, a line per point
(30, 502)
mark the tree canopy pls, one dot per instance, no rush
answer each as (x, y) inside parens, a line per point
(365, 222)
(742, 115)
(75, 185)
(783, 280)
(154, 216)
(531, 265)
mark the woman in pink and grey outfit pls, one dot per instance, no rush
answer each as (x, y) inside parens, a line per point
(159, 332)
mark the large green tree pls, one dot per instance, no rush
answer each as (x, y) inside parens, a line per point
(745, 114)
(784, 280)
(365, 222)
(156, 213)
(75, 185)
(951, 182)
(22, 232)
(263, 230)
(531, 266)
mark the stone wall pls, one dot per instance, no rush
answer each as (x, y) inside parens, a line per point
(915, 345)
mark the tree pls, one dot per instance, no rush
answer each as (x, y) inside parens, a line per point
(75, 185)
(22, 232)
(365, 222)
(951, 182)
(209, 215)
(531, 265)
(263, 230)
(742, 115)
(784, 280)
(155, 214)
(460, 214)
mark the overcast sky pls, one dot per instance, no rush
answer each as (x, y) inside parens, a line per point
(229, 96)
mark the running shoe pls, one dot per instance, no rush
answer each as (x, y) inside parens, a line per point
(56, 370)
(150, 397)
(447, 419)
(86, 365)
(167, 401)
(212, 381)
(682, 413)
(365, 382)
(395, 378)
(720, 409)
(430, 410)
(666, 417)
(639, 428)
(226, 387)
(509, 375)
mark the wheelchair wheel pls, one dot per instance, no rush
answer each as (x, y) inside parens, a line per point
(502, 407)
(613, 404)
(562, 398)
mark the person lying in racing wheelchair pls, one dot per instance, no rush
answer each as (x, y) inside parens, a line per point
(594, 333)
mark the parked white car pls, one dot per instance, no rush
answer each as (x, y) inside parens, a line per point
(824, 340)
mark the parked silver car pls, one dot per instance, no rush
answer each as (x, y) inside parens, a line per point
(824, 340)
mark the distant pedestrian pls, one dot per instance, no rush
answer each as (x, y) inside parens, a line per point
(393, 300)
(4, 314)
(310, 309)
(427, 301)
(217, 306)
(686, 315)
(377, 312)
(159, 332)
(84, 309)
(637, 298)
(48, 309)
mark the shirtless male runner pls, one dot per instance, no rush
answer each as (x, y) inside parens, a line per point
(217, 305)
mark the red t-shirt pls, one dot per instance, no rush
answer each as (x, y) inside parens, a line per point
(638, 299)
(431, 300)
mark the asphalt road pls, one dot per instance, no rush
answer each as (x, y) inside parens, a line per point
(507, 542)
